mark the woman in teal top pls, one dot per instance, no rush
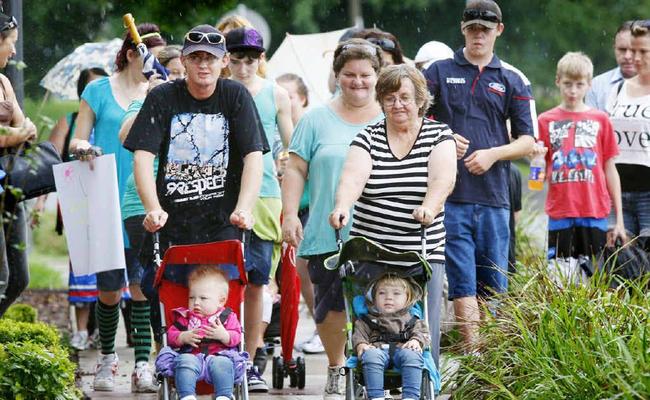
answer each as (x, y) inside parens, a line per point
(317, 153)
(102, 107)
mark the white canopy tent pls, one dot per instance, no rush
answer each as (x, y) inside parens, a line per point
(310, 57)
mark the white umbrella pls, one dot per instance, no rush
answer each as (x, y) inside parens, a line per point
(310, 57)
(61, 80)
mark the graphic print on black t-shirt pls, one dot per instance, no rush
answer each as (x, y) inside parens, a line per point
(573, 162)
(198, 157)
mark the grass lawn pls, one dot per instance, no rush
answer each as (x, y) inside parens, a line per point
(48, 249)
(45, 115)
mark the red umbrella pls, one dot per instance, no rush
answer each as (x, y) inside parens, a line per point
(290, 292)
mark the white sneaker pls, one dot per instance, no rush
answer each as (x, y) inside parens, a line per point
(142, 380)
(79, 340)
(335, 386)
(313, 345)
(190, 397)
(105, 373)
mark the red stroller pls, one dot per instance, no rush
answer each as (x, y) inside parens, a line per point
(173, 295)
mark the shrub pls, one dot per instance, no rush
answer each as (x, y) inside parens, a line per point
(31, 371)
(571, 342)
(21, 313)
(21, 332)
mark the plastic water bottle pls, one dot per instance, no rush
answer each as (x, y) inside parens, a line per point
(537, 171)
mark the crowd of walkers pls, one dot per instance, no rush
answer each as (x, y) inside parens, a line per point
(218, 146)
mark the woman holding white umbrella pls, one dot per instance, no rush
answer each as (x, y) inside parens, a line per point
(102, 107)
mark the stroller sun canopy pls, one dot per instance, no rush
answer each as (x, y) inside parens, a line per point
(362, 249)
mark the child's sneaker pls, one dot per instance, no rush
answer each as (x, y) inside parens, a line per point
(256, 383)
(79, 340)
(142, 380)
(105, 373)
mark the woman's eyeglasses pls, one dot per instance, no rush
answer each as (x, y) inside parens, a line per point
(485, 15)
(390, 101)
(210, 37)
(11, 24)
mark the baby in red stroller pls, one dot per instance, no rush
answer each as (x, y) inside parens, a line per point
(206, 335)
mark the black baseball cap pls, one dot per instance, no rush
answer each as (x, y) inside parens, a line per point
(482, 12)
(245, 38)
(204, 38)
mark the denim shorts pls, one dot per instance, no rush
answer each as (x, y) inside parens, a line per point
(258, 255)
(116, 279)
(328, 292)
(476, 250)
(636, 213)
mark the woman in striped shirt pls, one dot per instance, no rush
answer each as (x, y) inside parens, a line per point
(398, 173)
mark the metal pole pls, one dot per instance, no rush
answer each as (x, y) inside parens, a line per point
(15, 75)
(355, 13)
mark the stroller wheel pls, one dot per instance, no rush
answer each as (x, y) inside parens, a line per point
(300, 372)
(426, 390)
(278, 373)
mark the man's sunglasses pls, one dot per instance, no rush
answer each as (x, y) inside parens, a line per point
(211, 37)
(640, 27)
(385, 44)
(11, 24)
(485, 15)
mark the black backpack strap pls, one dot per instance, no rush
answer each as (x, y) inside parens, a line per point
(223, 317)
(620, 86)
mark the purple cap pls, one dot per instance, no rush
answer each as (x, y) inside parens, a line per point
(216, 49)
(245, 38)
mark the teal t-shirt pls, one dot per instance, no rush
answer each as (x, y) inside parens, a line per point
(265, 104)
(108, 119)
(322, 139)
(131, 204)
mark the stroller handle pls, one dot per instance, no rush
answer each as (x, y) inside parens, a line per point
(156, 249)
(423, 239)
(156, 245)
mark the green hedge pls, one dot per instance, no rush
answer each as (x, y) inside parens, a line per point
(21, 332)
(31, 371)
(33, 363)
(21, 313)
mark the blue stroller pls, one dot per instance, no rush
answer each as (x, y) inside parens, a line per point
(359, 263)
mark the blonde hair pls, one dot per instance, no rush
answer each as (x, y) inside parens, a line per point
(390, 81)
(227, 24)
(213, 272)
(575, 65)
(396, 281)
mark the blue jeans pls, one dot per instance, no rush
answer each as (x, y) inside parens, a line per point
(14, 271)
(476, 252)
(636, 213)
(188, 369)
(375, 361)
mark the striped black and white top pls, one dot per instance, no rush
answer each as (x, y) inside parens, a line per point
(395, 188)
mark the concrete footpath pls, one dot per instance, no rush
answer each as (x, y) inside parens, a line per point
(316, 368)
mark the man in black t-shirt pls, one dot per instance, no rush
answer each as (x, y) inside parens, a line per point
(206, 134)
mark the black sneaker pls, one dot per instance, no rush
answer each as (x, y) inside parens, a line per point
(256, 384)
(259, 360)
